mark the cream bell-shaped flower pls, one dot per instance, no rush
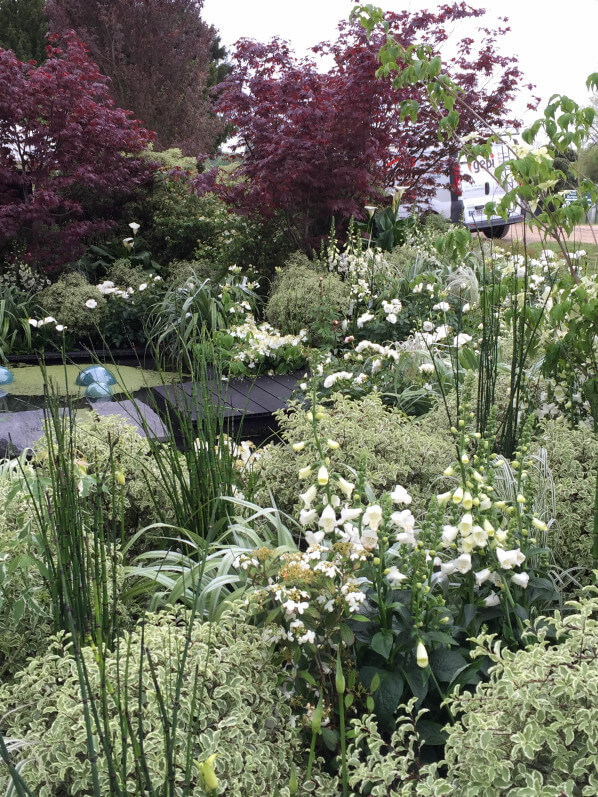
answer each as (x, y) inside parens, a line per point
(491, 600)
(350, 513)
(482, 576)
(463, 563)
(510, 559)
(308, 496)
(313, 538)
(479, 536)
(465, 525)
(444, 498)
(369, 539)
(395, 576)
(521, 579)
(400, 496)
(372, 516)
(467, 501)
(327, 519)
(323, 475)
(404, 520)
(307, 516)
(421, 655)
(449, 534)
(346, 487)
(458, 495)
(305, 473)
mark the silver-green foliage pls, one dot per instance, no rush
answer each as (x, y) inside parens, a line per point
(394, 448)
(307, 298)
(105, 446)
(229, 704)
(572, 454)
(531, 731)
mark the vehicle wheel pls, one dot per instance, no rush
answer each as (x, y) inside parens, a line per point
(497, 231)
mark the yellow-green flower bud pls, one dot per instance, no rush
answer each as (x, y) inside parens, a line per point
(421, 655)
(340, 676)
(332, 444)
(316, 720)
(539, 524)
(305, 472)
(323, 476)
(299, 446)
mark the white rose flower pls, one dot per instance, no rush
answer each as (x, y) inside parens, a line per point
(91, 304)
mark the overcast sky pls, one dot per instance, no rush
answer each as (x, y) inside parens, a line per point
(556, 43)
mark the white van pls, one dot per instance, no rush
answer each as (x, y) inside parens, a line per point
(470, 187)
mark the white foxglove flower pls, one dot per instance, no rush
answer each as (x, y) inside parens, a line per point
(313, 538)
(510, 559)
(369, 539)
(463, 563)
(305, 473)
(491, 600)
(449, 534)
(421, 655)
(395, 576)
(346, 486)
(308, 496)
(400, 495)
(482, 576)
(327, 519)
(307, 516)
(465, 525)
(350, 513)
(323, 475)
(372, 516)
(521, 579)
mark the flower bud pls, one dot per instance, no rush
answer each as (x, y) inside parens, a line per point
(299, 446)
(305, 472)
(332, 444)
(323, 476)
(421, 655)
(340, 676)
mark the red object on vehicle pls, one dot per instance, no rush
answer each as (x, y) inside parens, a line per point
(456, 174)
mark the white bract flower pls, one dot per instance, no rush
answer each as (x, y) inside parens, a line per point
(143, 286)
(134, 226)
(91, 304)
(61, 327)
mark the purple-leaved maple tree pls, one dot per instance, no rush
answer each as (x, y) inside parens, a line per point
(315, 145)
(64, 147)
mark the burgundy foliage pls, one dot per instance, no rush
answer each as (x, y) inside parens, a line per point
(316, 145)
(157, 54)
(64, 147)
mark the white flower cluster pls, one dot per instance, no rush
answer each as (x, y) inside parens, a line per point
(392, 310)
(262, 342)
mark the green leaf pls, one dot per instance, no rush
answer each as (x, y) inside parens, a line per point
(447, 664)
(347, 635)
(382, 643)
(431, 732)
(330, 738)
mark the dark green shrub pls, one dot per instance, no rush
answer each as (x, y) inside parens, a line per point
(305, 297)
(230, 703)
(395, 449)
